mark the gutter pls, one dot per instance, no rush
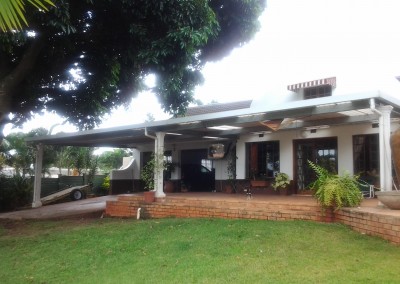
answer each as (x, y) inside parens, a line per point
(373, 108)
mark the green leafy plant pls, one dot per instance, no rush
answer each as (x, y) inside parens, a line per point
(106, 184)
(15, 191)
(335, 191)
(147, 173)
(281, 181)
(231, 169)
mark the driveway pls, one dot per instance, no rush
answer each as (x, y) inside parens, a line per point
(85, 207)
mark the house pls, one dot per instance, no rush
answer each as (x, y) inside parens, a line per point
(342, 123)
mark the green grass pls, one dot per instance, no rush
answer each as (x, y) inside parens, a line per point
(192, 251)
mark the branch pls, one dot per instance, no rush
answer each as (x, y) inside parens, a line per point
(16, 77)
(26, 64)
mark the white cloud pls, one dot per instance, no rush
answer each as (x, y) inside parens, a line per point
(299, 41)
(307, 40)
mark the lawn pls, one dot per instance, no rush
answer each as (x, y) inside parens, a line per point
(192, 251)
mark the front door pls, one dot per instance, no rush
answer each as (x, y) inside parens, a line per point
(197, 172)
(321, 151)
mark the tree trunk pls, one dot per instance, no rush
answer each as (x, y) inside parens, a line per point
(15, 77)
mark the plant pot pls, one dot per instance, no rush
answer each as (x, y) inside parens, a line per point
(390, 199)
(306, 192)
(259, 183)
(169, 186)
(282, 191)
(149, 196)
(328, 215)
(228, 188)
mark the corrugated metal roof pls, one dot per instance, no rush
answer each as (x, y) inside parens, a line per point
(218, 107)
(331, 111)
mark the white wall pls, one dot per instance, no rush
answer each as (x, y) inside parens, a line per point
(276, 93)
(344, 136)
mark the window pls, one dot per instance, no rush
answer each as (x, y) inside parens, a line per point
(321, 151)
(317, 92)
(262, 159)
(207, 163)
(366, 154)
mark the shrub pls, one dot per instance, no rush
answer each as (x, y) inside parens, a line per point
(335, 191)
(281, 181)
(15, 191)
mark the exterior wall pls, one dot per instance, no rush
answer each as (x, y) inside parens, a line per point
(127, 206)
(381, 225)
(345, 84)
(344, 136)
(136, 169)
(386, 226)
(221, 169)
(343, 133)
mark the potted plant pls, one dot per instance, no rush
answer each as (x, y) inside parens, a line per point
(261, 182)
(147, 175)
(281, 183)
(231, 170)
(334, 191)
(168, 183)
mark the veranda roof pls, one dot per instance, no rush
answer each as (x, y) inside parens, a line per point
(331, 111)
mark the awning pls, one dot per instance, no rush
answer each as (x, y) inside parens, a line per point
(320, 82)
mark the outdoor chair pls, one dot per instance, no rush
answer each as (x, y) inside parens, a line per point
(367, 190)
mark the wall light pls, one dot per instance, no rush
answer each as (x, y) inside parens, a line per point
(316, 127)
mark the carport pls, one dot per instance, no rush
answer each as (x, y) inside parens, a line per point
(230, 121)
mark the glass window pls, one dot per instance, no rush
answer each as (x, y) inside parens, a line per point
(207, 164)
(366, 154)
(318, 92)
(321, 151)
(262, 159)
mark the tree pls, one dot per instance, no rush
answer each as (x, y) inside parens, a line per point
(18, 154)
(21, 156)
(82, 159)
(12, 12)
(64, 158)
(83, 58)
(112, 159)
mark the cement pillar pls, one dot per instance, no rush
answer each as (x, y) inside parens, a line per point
(385, 152)
(159, 170)
(37, 187)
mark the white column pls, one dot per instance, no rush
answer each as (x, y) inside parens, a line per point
(37, 187)
(159, 171)
(385, 152)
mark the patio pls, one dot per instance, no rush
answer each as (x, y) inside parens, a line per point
(370, 218)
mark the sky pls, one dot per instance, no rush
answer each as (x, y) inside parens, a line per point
(299, 41)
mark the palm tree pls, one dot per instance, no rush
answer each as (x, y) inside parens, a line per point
(12, 12)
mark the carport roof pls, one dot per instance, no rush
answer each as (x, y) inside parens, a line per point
(334, 110)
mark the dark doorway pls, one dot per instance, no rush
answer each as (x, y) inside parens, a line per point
(366, 153)
(321, 151)
(197, 171)
(366, 157)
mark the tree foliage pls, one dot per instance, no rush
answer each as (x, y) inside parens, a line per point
(15, 191)
(12, 12)
(21, 156)
(335, 191)
(110, 160)
(83, 58)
